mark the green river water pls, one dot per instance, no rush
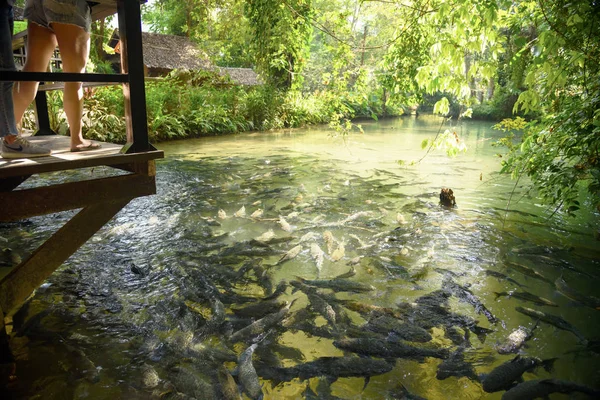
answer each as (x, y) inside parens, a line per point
(145, 309)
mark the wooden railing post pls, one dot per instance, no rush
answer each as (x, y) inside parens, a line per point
(132, 63)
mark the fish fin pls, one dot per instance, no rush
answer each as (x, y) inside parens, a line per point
(367, 380)
(549, 364)
(330, 379)
(499, 295)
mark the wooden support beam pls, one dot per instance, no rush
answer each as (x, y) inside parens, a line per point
(8, 184)
(73, 195)
(23, 279)
(148, 169)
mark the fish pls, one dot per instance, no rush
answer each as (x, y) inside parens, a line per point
(455, 365)
(257, 214)
(566, 290)
(247, 374)
(387, 349)
(285, 225)
(467, 296)
(385, 324)
(525, 270)
(364, 308)
(259, 309)
(339, 252)
(527, 297)
(552, 320)
(351, 272)
(400, 219)
(338, 285)
(504, 376)
(433, 310)
(329, 241)
(322, 307)
(501, 276)
(307, 237)
(279, 289)
(400, 392)
(516, 340)
(331, 368)
(291, 254)
(261, 325)
(240, 213)
(228, 387)
(542, 388)
(318, 255)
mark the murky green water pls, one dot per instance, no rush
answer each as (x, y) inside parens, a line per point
(145, 309)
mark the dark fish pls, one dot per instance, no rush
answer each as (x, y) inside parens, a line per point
(247, 374)
(261, 325)
(388, 349)
(516, 339)
(467, 296)
(259, 309)
(338, 285)
(542, 388)
(433, 310)
(525, 270)
(455, 365)
(400, 392)
(526, 296)
(504, 376)
(501, 276)
(279, 289)
(322, 307)
(552, 320)
(228, 387)
(589, 301)
(330, 367)
(348, 274)
(364, 308)
(385, 324)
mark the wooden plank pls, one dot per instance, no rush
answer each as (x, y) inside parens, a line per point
(32, 202)
(63, 159)
(23, 279)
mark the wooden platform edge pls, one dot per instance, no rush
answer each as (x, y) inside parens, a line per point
(55, 163)
(37, 201)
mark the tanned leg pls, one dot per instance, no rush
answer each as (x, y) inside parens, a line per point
(74, 46)
(41, 43)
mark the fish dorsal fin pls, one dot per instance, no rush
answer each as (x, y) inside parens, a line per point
(517, 358)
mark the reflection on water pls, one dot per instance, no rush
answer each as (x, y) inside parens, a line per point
(240, 246)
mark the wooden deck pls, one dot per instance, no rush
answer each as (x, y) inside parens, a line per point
(63, 159)
(96, 199)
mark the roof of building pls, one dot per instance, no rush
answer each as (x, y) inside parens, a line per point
(179, 52)
(172, 52)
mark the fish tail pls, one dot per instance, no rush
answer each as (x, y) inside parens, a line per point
(549, 364)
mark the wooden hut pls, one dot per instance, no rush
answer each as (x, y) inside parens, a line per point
(165, 53)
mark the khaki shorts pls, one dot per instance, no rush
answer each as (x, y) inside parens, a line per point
(46, 12)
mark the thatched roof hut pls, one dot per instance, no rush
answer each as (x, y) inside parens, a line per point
(164, 53)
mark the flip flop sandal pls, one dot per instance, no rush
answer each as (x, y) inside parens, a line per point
(91, 146)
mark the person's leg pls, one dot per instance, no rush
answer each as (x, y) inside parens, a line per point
(74, 46)
(41, 43)
(7, 63)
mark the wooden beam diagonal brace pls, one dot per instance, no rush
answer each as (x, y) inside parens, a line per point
(28, 203)
(23, 279)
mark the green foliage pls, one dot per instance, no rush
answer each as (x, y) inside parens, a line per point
(280, 35)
